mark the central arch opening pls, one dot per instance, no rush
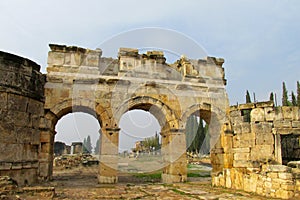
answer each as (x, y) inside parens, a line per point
(76, 148)
(140, 158)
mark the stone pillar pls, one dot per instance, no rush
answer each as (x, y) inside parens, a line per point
(108, 155)
(174, 155)
(46, 154)
(277, 148)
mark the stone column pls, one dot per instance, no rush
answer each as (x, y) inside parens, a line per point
(174, 155)
(108, 155)
(47, 134)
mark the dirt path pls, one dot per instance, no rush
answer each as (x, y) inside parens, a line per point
(81, 183)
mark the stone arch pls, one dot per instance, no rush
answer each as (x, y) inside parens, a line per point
(203, 110)
(76, 105)
(164, 114)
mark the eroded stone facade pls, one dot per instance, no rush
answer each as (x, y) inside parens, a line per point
(251, 150)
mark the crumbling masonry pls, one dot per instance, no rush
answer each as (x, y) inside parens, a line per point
(246, 152)
(252, 150)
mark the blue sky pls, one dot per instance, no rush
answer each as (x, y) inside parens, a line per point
(259, 40)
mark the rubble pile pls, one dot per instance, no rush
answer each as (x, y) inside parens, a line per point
(7, 185)
(193, 158)
(69, 161)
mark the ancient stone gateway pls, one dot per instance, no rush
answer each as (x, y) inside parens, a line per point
(81, 80)
(248, 141)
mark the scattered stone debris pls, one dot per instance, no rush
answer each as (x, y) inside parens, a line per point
(44, 192)
(294, 164)
(69, 161)
(7, 185)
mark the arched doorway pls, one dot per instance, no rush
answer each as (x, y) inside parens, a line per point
(74, 146)
(48, 133)
(213, 118)
(173, 139)
(140, 158)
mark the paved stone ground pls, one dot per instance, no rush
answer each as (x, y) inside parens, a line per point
(82, 184)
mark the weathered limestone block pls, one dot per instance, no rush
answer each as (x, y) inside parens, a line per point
(217, 161)
(17, 102)
(56, 58)
(21, 119)
(44, 170)
(108, 169)
(261, 152)
(228, 160)
(278, 113)
(285, 176)
(228, 182)
(269, 114)
(264, 139)
(295, 113)
(295, 124)
(237, 178)
(275, 183)
(216, 181)
(263, 133)
(272, 175)
(246, 128)
(241, 163)
(244, 140)
(276, 168)
(226, 142)
(250, 182)
(236, 119)
(287, 112)
(262, 127)
(3, 101)
(241, 156)
(283, 123)
(237, 128)
(257, 115)
(297, 187)
(240, 150)
(284, 194)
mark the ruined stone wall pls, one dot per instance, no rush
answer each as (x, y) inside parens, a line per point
(251, 150)
(21, 107)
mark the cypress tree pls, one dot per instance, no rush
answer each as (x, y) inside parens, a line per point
(89, 144)
(206, 147)
(285, 101)
(248, 98)
(194, 133)
(294, 101)
(201, 136)
(84, 146)
(97, 148)
(189, 134)
(298, 94)
(272, 97)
